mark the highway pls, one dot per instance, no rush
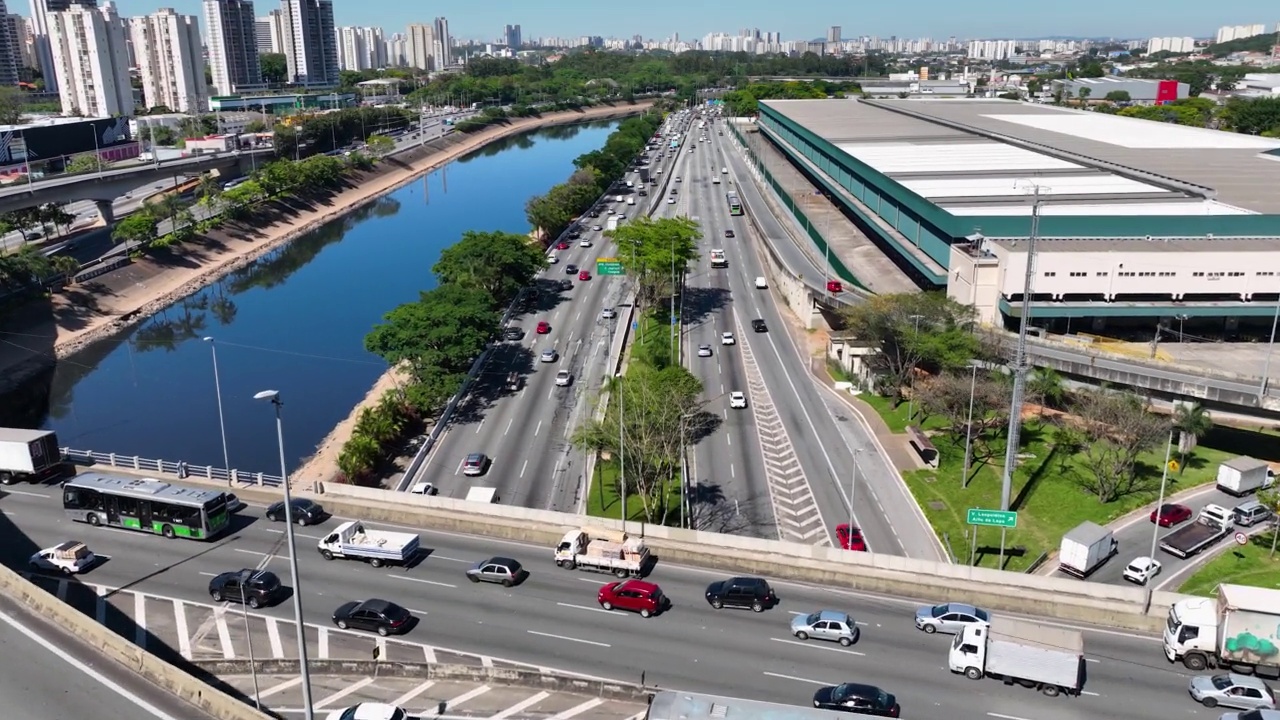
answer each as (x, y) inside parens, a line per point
(552, 620)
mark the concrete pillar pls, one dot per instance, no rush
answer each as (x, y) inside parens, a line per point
(106, 208)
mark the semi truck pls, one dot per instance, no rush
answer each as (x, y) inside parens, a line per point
(1238, 629)
(28, 455)
(603, 551)
(1243, 475)
(352, 541)
(1085, 549)
(1035, 655)
(1211, 525)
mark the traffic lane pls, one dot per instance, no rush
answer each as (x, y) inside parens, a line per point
(794, 257)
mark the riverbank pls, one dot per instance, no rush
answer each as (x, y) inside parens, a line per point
(66, 322)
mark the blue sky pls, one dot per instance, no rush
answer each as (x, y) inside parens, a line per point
(795, 20)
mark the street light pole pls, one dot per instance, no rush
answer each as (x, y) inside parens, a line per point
(253, 666)
(273, 397)
(222, 423)
(968, 428)
(1164, 480)
(622, 455)
(853, 486)
(911, 399)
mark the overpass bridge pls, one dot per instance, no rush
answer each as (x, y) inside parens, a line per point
(104, 187)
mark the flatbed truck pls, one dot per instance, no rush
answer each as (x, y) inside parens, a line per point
(352, 541)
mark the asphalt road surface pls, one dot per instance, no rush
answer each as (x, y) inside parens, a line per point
(552, 620)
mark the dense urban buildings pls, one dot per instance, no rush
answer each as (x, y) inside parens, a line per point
(11, 43)
(511, 37)
(361, 48)
(90, 61)
(419, 50)
(310, 42)
(166, 48)
(233, 46)
(40, 11)
(270, 29)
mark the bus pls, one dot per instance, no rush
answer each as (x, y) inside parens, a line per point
(735, 207)
(146, 504)
(675, 143)
(668, 705)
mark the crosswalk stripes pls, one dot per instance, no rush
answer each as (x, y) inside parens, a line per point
(577, 710)
(323, 651)
(280, 688)
(335, 697)
(521, 706)
(468, 695)
(140, 620)
(273, 637)
(184, 635)
(224, 637)
(407, 697)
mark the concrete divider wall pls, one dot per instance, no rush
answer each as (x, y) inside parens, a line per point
(174, 680)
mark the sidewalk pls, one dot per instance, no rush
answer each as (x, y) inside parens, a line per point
(897, 448)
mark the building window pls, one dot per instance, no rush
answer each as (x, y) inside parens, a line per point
(1051, 274)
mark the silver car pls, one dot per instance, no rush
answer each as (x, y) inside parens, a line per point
(1252, 715)
(1232, 690)
(503, 571)
(949, 618)
(826, 625)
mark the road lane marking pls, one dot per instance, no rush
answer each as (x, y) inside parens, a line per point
(800, 679)
(140, 620)
(1091, 660)
(468, 695)
(480, 427)
(433, 556)
(280, 688)
(415, 611)
(101, 605)
(1090, 694)
(587, 607)
(180, 624)
(380, 643)
(811, 646)
(24, 492)
(224, 636)
(524, 467)
(521, 706)
(569, 639)
(420, 580)
(252, 552)
(429, 653)
(335, 697)
(539, 428)
(405, 698)
(509, 424)
(209, 574)
(323, 644)
(295, 534)
(577, 709)
(1005, 717)
(273, 638)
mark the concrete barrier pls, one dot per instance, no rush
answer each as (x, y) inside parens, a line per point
(174, 680)
(534, 679)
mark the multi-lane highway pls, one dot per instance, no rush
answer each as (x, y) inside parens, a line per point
(552, 620)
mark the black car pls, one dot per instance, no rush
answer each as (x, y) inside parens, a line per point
(759, 326)
(742, 592)
(857, 698)
(380, 616)
(594, 213)
(254, 588)
(570, 269)
(305, 512)
(728, 233)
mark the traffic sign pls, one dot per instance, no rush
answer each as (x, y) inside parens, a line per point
(1241, 538)
(608, 266)
(993, 518)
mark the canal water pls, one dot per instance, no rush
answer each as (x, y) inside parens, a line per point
(294, 321)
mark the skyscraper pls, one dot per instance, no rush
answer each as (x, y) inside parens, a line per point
(420, 43)
(833, 35)
(270, 30)
(10, 47)
(233, 45)
(90, 61)
(167, 49)
(40, 10)
(511, 36)
(442, 45)
(310, 42)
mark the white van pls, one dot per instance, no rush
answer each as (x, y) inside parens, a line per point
(715, 181)
(724, 171)
(631, 201)
(761, 283)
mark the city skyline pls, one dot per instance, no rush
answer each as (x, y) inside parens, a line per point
(664, 18)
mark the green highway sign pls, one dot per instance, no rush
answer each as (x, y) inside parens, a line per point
(993, 518)
(608, 266)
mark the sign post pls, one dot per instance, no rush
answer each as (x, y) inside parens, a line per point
(608, 266)
(980, 517)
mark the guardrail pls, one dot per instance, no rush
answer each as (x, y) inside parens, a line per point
(180, 468)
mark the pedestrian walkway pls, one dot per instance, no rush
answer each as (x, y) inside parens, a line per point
(438, 700)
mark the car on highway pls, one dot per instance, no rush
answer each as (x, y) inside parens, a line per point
(584, 275)
(677, 180)
(304, 511)
(674, 192)
(704, 351)
(369, 711)
(235, 504)
(1248, 513)
(728, 233)
(423, 487)
(255, 588)
(512, 333)
(727, 339)
(549, 356)
(1141, 569)
(759, 326)
(570, 269)
(553, 259)
(741, 592)
(1170, 514)
(949, 618)
(761, 283)
(543, 327)
(562, 245)
(1243, 692)
(635, 596)
(594, 213)
(475, 464)
(1252, 715)
(857, 698)
(831, 625)
(501, 570)
(586, 243)
(671, 201)
(597, 228)
(373, 615)
(850, 538)
(835, 286)
(564, 378)
(608, 313)
(737, 400)
(68, 557)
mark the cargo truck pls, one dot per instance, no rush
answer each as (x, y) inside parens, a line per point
(1243, 475)
(481, 494)
(1085, 549)
(1211, 525)
(603, 551)
(351, 540)
(1239, 629)
(28, 455)
(1035, 655)
(644, 173)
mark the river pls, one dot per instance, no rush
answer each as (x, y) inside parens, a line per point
(294, 321)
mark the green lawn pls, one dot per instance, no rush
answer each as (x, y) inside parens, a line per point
(1252, 564)
(897, 418)
(652, 341)
(602, 498)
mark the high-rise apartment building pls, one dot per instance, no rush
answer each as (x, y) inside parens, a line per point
(442, 45)
(90, 61)
(833, 35)
(511, 36)
(270, 31)
(232, 45)
(166, 46)
(992, 49)
(310, 42)
(22, 29)
(40, 10)
(361, 48)
(10, 47)
(1171, 44)
(1227, 33)
(420, 44)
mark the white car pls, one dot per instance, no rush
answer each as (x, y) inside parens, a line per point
(677, 178)
(424, 488)
(584, 243)
(369, 711)
(608, 314)
(69, 557)
(563, 378)
(737, 399)
(727, 339)
(553, 259)
(704, 351)
(1142, 569)
(671, 201)
(761, 283)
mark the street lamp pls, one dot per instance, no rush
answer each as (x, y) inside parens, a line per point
(853, 486)
(273, 397)
(911, 398)
(222, 423)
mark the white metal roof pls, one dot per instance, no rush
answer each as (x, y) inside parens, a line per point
(1207, 207)
(890, 158)
(1137, 134)
(1097, 184)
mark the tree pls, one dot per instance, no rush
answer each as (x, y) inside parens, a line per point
(1045, 388)
(1118, 96)
(22, 220)
(948, 395)
(1116, 429)
(1084, 93)
(439, 335)
(653, 250)
(86, 163)
(274, 68)
(12, 105)
(56, 215)
(496, 263)
(255, 126)
(209, 190)
(380, 145)
(1192, 422)
(138, 228)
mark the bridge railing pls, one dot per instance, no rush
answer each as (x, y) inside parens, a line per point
(176, 468)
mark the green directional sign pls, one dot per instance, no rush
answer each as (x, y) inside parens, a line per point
(993, 518)
(608, 266)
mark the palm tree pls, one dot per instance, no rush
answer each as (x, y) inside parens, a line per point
(1046, 386)
(209, 190)
(1192, 422)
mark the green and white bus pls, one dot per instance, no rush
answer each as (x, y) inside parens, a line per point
(146, 504)
(735, 207)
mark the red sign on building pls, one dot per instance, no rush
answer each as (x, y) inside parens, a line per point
(1166, 91)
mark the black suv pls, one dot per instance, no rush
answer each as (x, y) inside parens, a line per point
(304, 511)
(255, 588)
(759, 326)
(742, 592)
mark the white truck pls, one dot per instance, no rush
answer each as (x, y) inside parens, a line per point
(482, 494)
(1085, 549)
(351, 540)
(1035, 655)
(611, 224)
(603, 551)
(28, 455)
(1243, 475)
(1239, 629)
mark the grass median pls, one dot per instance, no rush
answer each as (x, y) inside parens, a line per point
(1249, 564)
(602, 500)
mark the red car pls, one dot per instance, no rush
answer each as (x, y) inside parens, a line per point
(634, 595)
(584, 275)
(835, 286)
(544, 327)
(562, 245)
(1171, 514)
(850, 538)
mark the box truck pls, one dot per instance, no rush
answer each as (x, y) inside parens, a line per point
(28, 455)
(1035, 655)
(1243, 475)
(1085, 549)
(1238, 629)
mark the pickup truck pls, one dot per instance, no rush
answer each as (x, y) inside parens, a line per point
(1211, 525)
(351, 540)
(603, 551)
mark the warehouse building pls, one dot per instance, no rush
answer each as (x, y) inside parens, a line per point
(1138, 224)
(1139, 90)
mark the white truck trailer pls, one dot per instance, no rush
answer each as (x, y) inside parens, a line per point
(351, 540)
(1085, 549)
(1035, 655)
(1242, 475)
(603, 551)
(28, 455)
(1239, 629)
